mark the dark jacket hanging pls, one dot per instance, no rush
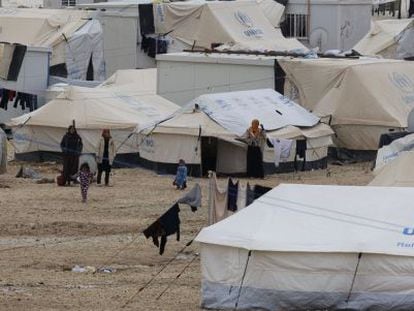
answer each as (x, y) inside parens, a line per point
(232, 191)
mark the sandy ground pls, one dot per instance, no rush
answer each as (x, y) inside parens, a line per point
(45, 231)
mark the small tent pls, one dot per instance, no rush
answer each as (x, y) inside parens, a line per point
(392, 38)
(396, 173)
(204, 134)
(119, 106)
(308, 247)
(361, 98)
(390, 152)
(3, 152)
(74, 37)
(233, 25)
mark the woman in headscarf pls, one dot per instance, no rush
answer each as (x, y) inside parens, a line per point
(71, 146)
(105, 156)
(255, 137)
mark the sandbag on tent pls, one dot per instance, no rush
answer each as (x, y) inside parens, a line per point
(388, 38)
(3, 152)
(359, 106)
(306, 247)
(204, 134)
(236, 25)
(396, 173)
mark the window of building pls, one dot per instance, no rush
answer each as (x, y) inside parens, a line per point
(297, 26)
(68, 2)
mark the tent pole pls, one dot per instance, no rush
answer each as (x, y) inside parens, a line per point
(242, 280)
(354, 277)
(210, 189)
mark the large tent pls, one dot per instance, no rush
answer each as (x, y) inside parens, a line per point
(204, 134)
(392, 38)
(308, 247)
(74, 37)
(235, 25)
(116, 105)
(362, 98)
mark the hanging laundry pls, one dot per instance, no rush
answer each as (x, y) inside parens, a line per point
(218, 202)
(192, 198)
(4, 99)
(281, 148)
(167, 224)
(241, 196)
(260, 190)
(146, 18)
(249, 195)
(301, 152)
(232, 191)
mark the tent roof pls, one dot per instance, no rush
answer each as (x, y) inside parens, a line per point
(39, 27)
(235, 110)
(313, 218)
(347, 89)
(383, 34)
(239, 25)
(97, 108)
(397, 173)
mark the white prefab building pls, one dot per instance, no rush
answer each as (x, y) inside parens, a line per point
(329, 24)
(308, 247)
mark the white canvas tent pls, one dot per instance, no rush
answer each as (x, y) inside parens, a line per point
(119, 106)
(235, 25)
(363, 98)
(206, 137)
(392, 38)
(392, 151)
(73, 36)
(397, 173)
(305, 247)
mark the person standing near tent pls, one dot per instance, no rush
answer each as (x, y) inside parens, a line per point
(105, 156)
(255, 137)
(71, 146)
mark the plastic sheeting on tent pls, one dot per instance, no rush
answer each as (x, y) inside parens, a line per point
(3, 152)
(392, 151)
(389, 38)
(237, 25)
(119, 107)
(313, 247)
(235, 110)
(361, 108)
(180, 137)
(397, 173)
(61, 30)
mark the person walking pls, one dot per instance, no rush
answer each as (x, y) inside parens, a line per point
(71, 146)
(105, 156)
(85, 179)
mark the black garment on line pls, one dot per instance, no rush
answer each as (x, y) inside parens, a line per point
(4, 99)
(232, 192)
(301, 152)
(16, 62)
(280, 76)
(167, 224)
(249, 195)
(146, 18)
(254, 162)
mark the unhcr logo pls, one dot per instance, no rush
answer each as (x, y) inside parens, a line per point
(402, 82)
(243, 19)
(408, 231)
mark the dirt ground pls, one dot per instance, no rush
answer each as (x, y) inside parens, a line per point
(45, 231)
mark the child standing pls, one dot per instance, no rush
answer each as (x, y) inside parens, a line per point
(85, 178)
(181, 177)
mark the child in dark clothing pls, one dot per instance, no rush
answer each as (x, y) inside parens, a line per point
(181, 177)
(85, 178)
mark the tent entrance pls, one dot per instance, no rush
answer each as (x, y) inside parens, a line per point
(208, 154)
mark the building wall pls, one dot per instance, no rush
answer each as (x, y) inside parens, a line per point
(334, 24)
